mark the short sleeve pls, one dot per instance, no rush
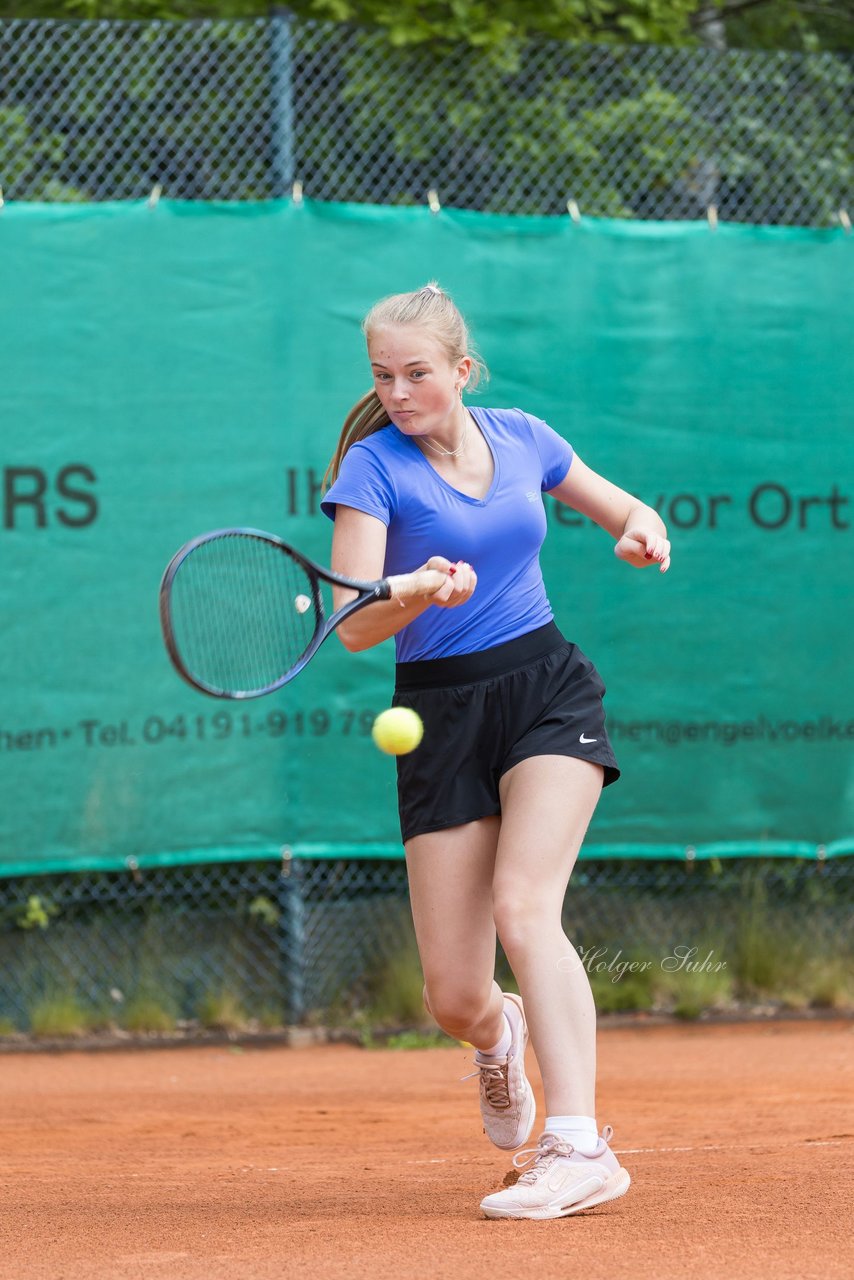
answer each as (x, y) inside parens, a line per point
(556, 454)
(364, 483)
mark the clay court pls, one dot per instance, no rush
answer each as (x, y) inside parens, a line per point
(233, 1161)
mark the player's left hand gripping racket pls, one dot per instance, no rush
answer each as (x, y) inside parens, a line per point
(242, 612)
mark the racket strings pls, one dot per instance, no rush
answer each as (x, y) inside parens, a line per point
(243, 613)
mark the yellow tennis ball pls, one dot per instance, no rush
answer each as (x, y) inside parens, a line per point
(398, 730)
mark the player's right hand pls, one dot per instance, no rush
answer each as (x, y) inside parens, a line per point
(459, 583)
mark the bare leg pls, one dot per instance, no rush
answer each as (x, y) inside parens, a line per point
(450, 889)
(547, 803)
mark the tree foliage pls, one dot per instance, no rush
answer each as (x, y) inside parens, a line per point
(490, 23)
(807, 25)
(811, 26)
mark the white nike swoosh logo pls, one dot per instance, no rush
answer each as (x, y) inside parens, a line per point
(583, 739)
(581, 1189)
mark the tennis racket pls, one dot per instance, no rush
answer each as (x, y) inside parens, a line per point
(242, 612)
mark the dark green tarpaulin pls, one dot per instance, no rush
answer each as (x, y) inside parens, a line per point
(171, 370)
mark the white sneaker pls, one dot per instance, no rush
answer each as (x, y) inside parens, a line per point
(507, 1104)
(560, 1180)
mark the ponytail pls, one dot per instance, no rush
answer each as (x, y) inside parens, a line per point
(366, 417)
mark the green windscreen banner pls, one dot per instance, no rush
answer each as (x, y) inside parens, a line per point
(181, 368)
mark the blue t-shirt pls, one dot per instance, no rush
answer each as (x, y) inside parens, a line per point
(500, 535)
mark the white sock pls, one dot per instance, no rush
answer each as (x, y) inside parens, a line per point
(581, 1131)
(502, 1048)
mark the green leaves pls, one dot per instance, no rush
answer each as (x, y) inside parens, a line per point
(37, 913)
(805, 25)
(490, 24)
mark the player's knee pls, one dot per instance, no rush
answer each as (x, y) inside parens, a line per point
(519, 920)
(455, 1008)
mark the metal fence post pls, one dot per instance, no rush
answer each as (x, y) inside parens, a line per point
(281, 103)
(292, 936)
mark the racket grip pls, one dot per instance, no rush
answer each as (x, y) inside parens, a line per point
(414, 586)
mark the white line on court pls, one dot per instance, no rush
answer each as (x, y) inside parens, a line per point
(635, 1151)
(732, 1146)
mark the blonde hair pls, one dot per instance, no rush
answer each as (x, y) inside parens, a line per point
(430, 308)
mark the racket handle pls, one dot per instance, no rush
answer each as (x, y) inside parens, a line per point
(413, 586)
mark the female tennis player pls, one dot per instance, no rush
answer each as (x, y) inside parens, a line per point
(495, 802)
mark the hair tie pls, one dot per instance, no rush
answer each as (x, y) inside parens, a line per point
(431, 288)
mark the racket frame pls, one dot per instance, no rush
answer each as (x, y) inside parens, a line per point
(369, 592)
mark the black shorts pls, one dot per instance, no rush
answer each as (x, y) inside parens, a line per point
(484, 712)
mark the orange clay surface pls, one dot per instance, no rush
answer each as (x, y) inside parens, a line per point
(335, 1161)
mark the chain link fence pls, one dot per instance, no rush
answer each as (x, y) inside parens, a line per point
(312, 939)
(241, 110)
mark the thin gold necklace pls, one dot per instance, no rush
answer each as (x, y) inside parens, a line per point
(449, 453)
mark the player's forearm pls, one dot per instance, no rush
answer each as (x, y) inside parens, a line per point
(437, 582)
(378, 622)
